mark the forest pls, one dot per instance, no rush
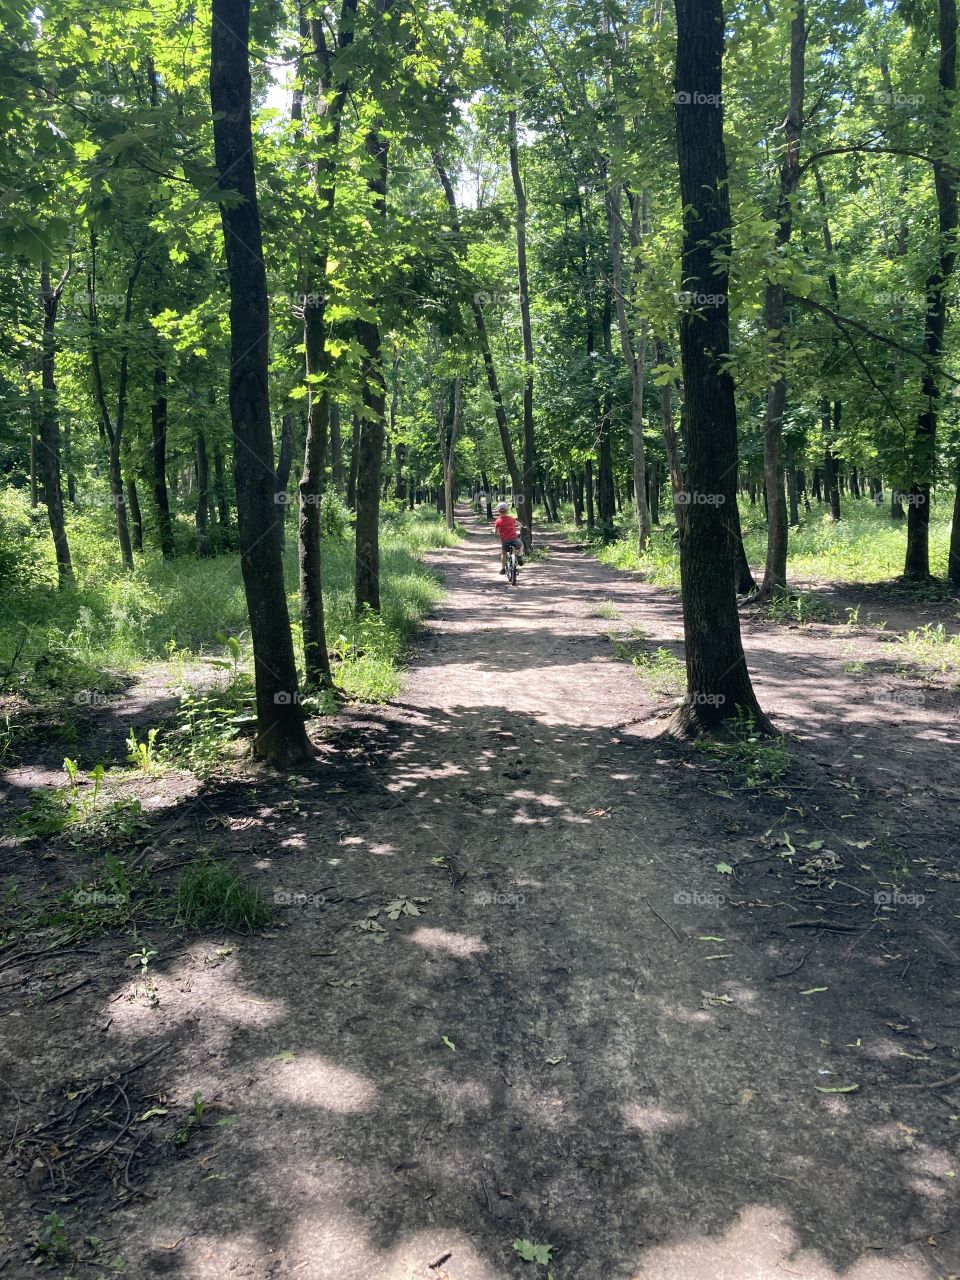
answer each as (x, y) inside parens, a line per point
(369, 911)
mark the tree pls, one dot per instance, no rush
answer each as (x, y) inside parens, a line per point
(281, 735)
(718, 683)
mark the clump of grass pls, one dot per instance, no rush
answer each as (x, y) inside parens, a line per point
(659, 668)
(934, 648)
(801, 607)
(752, 760)
(214, 895)
(605, 609)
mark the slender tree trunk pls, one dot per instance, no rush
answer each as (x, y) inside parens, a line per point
(718, 683)
(670, 444)
(588, 492)
(775, 570)
(374, 392)
(576, 497)
(945, 179)
(158, 433)
(223, 503)
(336, 447)
(202, 509)
(284, 467)
(490, 369)
(354, 462)
(793, 497)
(48, 444)
(34, 489)
(529, 458)
(634, 360)
(606, 496)
(281, 735)
(136, 516)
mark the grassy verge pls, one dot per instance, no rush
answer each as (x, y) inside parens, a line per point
(865, 546)
(93, 635)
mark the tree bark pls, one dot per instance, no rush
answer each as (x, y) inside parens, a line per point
(374, 394)
(136, 516)
(48, 442)
(523, 283)
(775, 569)
(336, 447)
(945, 178)
(281, 735)
(718, 683)
(158, 435)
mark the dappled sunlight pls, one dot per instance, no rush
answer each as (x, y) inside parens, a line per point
(762, 1245)
(651, 1118)
(310, 1079)
(203, 986)
(463, 946)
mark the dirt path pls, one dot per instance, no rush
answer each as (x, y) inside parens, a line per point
(588, 1037)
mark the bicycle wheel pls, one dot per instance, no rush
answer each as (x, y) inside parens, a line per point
(512, 569)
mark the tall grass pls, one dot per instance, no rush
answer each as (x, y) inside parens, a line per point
(91, 635)
(864, 546)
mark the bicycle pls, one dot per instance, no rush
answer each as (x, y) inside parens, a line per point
(513, 571)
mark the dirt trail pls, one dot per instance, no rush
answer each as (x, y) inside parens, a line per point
(588, 1037)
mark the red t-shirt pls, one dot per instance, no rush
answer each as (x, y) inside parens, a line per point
(505, 527)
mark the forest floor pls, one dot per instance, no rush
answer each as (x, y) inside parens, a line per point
(645, 1010)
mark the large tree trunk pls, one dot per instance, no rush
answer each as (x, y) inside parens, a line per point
(281, 735)
(718, 683)
(158, 434)
(923, 463)
(48, 444)
(775, 569)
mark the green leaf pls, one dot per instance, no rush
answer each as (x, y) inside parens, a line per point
(724, 868)
(531, 1252)
(839, 1088)
(449, 1043)
(810, 991)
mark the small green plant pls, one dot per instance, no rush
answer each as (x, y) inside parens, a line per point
(234, 648)
(194, 1121)
(895, 860)
(755, 760)
(213, 894)
(799, 607)
(143, 755)
(50, 1243)
(530, 1252)
(605, 610)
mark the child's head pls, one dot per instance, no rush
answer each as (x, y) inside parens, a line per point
(502, 508)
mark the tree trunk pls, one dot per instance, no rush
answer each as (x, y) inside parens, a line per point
(718, 683)
(490, 369)
(793, 496)
(336, 447)
(529, 460)
(634, 360)
(374, 393)
(48, 444)
(606, 496)
(223, 504)
(158, 432)
(281, 735)
(588, 492)
(923, 462)
(136, 516)
(354, 462)
(284, 467)
(202, 514)
(34, 489)
(775, 569)
(576, 497)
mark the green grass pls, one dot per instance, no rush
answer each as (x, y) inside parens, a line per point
(660, 669)
(88, 638)
(865, 546)
(213, 895)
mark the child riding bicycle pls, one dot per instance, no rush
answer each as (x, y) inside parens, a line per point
(506, 529)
